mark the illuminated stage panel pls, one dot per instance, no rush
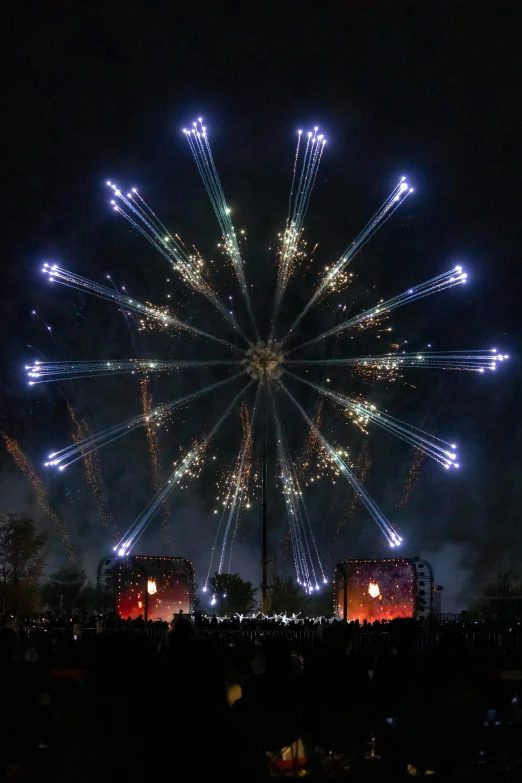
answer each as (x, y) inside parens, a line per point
(154, 586)
(378, 589)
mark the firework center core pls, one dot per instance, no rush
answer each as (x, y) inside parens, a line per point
(264, 360)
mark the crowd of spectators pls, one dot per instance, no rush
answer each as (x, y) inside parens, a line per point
(100, 699)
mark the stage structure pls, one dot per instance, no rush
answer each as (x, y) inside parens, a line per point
(384, 589)
(154, 587)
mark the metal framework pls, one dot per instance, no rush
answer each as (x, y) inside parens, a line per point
(109, 572)
(424, 585)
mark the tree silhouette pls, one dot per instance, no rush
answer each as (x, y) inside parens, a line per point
(64, 590)
(286, 596)
(502, 596)
(21, 562)
(233, 595)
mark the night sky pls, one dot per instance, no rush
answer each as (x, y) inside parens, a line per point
(92, 92)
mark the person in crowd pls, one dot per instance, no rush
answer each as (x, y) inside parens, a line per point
(20, 689)
(193, 697)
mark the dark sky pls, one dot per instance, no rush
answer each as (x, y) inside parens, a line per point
(94, 91)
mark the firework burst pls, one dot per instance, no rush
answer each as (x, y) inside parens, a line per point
(268, 364)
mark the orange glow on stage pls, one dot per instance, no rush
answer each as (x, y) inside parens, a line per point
(377, 590)
(373, 590)
(157, 586)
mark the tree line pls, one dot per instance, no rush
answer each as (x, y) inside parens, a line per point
(234, 595)
(24, 588)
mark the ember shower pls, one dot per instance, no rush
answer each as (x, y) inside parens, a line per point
(266, 362)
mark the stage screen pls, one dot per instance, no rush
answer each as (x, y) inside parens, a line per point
(167, 580)
(378, 590)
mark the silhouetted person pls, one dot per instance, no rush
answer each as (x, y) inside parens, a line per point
(193, 697)
(447, 692)
(19, 694)
(269, 714)
(395, 674)
(119, 702)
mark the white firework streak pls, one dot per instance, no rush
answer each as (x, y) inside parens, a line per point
(200, 147)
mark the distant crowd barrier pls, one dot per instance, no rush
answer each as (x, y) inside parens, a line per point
(324, 636)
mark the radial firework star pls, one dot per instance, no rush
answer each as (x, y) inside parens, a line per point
(266, 363)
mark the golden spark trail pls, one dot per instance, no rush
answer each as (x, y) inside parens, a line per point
(233, 487)
(199, 144)
(236, 486)
(306, 554)
(336, 277)
(311, 447)
(290, 252)
(23, 464)
(361, 469)
(153, 444)
(158, 415)
(248, 463)
(382, 523)
(93, 473)
(315, 461)
(191, 267)
(365, 412)
(161, 315)
(413, 477)
(449, 279)
(142, 521)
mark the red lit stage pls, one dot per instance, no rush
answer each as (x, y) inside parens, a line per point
(376, 589)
